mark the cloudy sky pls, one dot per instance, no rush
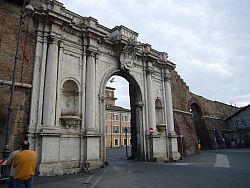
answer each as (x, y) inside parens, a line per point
(208, 40)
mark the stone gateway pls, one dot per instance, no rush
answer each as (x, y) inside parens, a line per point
(74, 58)
(65, 63)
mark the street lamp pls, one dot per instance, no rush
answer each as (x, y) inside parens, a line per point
(27, 9)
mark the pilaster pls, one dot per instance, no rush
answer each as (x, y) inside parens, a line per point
(36, 78)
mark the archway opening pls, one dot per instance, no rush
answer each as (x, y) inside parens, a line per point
(123, 121)
(200, 127)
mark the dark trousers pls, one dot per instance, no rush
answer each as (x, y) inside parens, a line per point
(24, 183)
(11, 182)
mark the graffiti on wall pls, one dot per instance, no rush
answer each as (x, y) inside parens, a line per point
(240, 123)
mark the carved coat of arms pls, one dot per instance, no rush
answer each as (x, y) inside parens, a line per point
(127, 56)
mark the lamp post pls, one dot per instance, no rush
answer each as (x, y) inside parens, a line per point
(27, 9)
(126, 136)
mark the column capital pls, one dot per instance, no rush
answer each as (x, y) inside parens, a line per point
(150, 70)
(53, 39)
(167, 78)
(101, 97)
(91, 50)
(140, 104)
(39, 37)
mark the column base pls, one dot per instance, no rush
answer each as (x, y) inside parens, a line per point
(157, 148)
(174, 154)
(50, 169)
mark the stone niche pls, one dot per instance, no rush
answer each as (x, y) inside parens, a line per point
(70, 116)
(159, 111)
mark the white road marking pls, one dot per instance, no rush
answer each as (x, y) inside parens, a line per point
(98, 179)
(115, 167)
(222, 161)
(88, 180)
(180, 164)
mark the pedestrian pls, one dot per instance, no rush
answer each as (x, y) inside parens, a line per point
(9, 162)
(24, 163)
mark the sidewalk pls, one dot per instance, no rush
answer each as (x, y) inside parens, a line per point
(65, 181)
(74, 180)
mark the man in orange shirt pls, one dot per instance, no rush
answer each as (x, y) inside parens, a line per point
(25, 164)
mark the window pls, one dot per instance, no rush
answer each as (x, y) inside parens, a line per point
(115, 117)
(115, 129)
(123, 129)
(116, 142)
(129, 129)
(124, 141)
(124, 118)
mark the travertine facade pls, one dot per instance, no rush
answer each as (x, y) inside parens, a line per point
(74, 58)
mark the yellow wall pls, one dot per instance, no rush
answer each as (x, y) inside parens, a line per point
(111, 136)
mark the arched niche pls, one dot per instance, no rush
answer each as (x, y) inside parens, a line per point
(70, 104)
(159, 112)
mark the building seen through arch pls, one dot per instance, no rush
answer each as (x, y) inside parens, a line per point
(117, 122)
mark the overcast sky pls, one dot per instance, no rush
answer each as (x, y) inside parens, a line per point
(208, 40)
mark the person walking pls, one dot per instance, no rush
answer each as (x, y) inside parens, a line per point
(12, 169)
(24, 163)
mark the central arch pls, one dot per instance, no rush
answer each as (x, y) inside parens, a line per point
(137, 136)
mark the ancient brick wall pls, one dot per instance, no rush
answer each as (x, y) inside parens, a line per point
(213, 117)
(9, 24)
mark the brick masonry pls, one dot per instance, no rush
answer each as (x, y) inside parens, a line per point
(9, 23)
(213, 116)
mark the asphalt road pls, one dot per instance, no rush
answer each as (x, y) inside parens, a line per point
(228, 168)
(216, 168)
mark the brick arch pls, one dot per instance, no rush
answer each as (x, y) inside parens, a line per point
(200, 125)
(193, 100)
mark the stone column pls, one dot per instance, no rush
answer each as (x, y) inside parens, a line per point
(150, 100)
(90, 92)
(49, 105)
(173, 145)
(169, 105)
(50, 134)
